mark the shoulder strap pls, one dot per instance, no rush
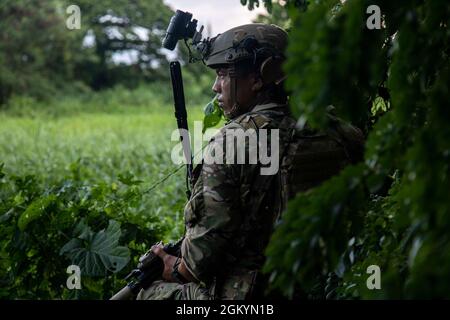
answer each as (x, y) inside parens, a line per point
(265, 181)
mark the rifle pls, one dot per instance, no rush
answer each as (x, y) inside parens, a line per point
(149, 269)
(181, 116)
(150, 266)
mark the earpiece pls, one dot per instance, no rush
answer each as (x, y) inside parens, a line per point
(271, 70)
(250, 44)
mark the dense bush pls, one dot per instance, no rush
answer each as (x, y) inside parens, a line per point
(99, 227)
(392, 210)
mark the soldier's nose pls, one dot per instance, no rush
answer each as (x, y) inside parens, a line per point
(216, 86)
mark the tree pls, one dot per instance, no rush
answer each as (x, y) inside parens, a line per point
(122, 27)
(34, 48)
(40, 56)
(278, 15)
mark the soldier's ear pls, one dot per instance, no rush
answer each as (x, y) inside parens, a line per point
(257, 83)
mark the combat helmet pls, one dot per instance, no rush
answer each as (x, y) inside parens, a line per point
(252, 42)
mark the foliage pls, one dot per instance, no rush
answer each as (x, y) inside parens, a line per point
(35, 63)
(69, 218)
(97, 253)
(213, 114)
(278, 15)
(74, 189)
(119, 28)
(271, 4)
(119, 42)
(391, 210)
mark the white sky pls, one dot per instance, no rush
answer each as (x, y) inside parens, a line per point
(220, 14)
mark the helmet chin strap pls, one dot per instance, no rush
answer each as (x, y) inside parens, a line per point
(234, 112)
(236, 109)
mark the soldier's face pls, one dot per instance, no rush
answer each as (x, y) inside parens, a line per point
(247, 87)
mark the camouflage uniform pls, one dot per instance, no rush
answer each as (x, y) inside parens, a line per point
(229, 217)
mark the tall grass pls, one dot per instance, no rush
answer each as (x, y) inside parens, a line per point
(102, 135)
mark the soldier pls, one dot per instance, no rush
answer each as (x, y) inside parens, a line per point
(233, 208)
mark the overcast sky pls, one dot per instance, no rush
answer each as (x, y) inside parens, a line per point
(220, 14)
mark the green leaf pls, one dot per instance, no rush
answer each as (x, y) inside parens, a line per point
(34, 211)
(71, 245)
(128, 179)
(99, 252)
(213, 114)
(82, 231)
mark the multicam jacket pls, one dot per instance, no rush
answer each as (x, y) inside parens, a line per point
(231, 213)
(233, 208)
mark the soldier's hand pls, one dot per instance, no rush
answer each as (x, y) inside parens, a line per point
(168, 260)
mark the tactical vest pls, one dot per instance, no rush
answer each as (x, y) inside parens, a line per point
(307, 158)
(315, 156)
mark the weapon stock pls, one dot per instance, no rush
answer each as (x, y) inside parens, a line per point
(149, 269)
(125, 294)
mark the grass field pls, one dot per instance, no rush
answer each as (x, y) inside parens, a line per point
(100, 145)
(107, 144)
